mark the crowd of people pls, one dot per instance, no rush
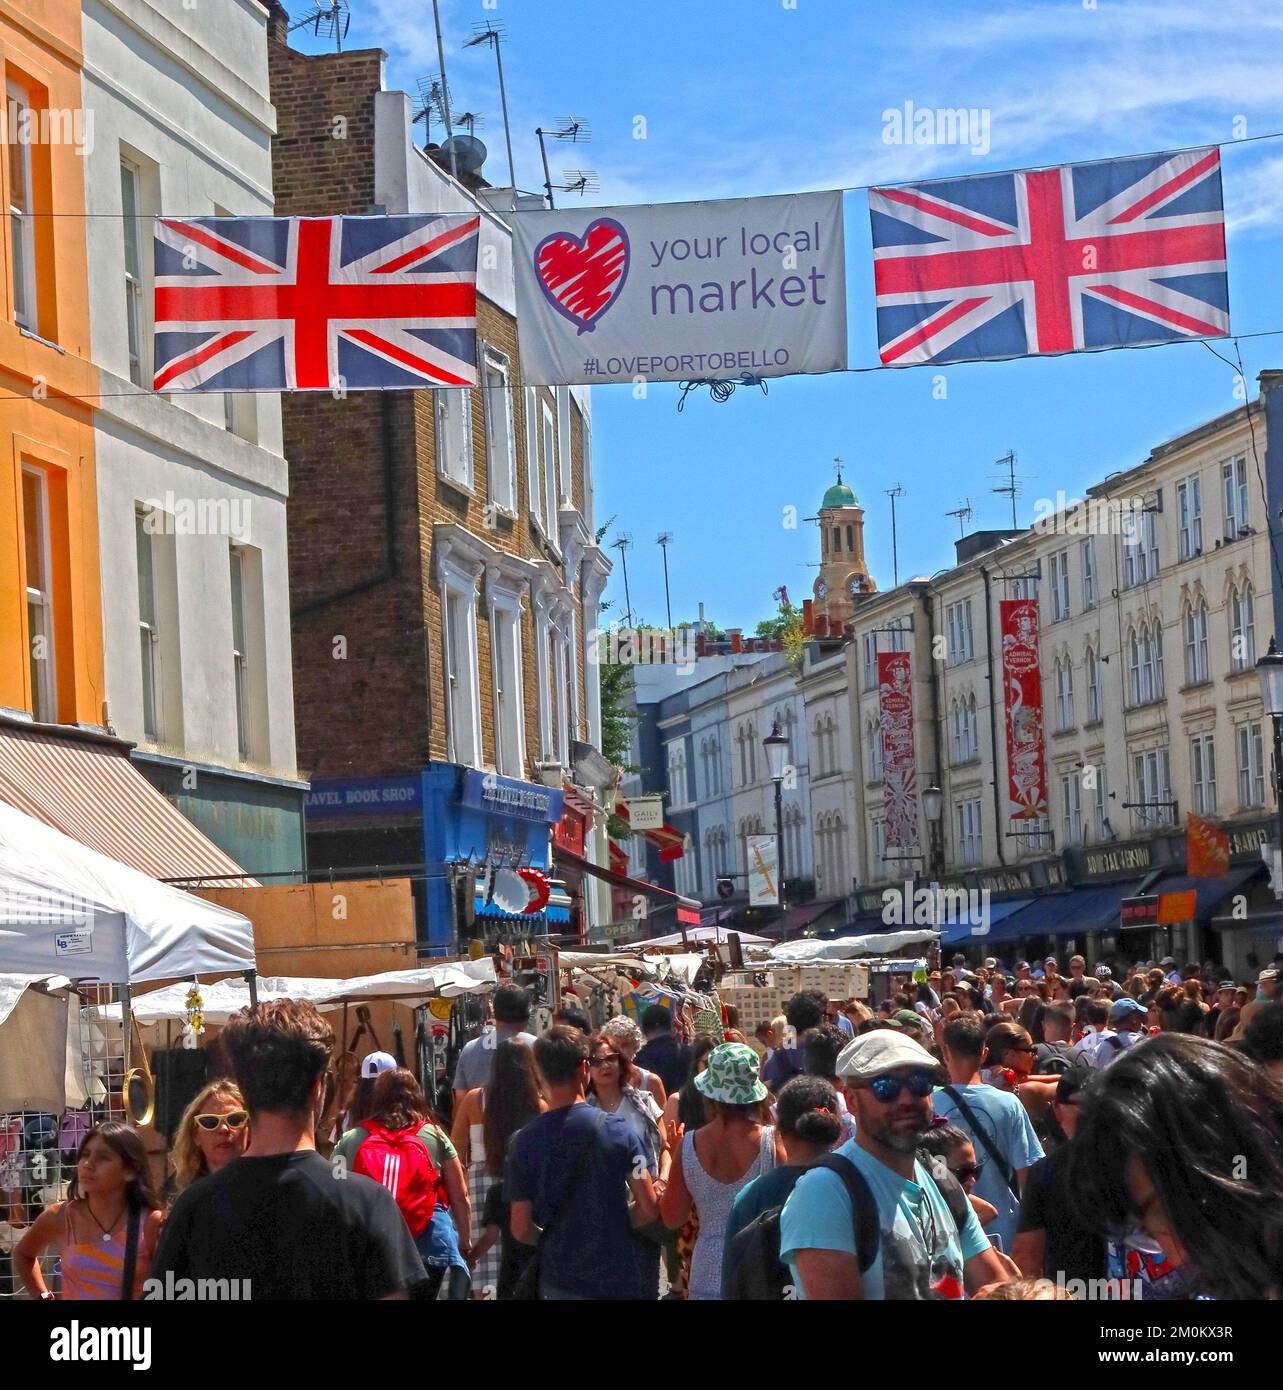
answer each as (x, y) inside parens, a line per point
(983, 1132)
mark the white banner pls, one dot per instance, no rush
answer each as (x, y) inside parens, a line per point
(674, 291)
(763, 871)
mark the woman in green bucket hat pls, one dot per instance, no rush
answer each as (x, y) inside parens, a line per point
(711, 1165)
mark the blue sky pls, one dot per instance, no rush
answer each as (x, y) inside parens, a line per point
(748, 97)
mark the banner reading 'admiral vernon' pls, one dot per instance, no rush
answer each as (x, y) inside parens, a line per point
(899, 775)
(1022, 680)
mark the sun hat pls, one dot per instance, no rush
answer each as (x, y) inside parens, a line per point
(376, 1063)
(1267, 975)
(907, 1018)
(874, 1054)
(731, 1075)
(1103, 972)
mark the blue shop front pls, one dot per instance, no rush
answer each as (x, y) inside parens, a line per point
(445, 827)
(474, 823)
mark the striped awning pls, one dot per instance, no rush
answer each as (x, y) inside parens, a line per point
(85, 786)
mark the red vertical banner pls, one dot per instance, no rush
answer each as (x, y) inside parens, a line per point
(899, 771)
(1022, 680)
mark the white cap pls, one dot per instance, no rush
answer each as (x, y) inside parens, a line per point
(882, 1050)
(375, 1063)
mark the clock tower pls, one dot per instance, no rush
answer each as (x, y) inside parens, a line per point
(844, 577)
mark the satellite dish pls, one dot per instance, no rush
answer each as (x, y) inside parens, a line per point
(468, 152)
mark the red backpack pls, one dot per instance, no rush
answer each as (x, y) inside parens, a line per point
(400, 1160)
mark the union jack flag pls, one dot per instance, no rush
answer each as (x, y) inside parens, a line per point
(315, 303)
(1071, 259)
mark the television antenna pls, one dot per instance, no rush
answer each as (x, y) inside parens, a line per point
(893, 493)
(445, 91)
(624, 543)
(579, 181)
(329, 19)
(664, 540)
(577, 132)
(1011, 488)
(492, 33)
(432, 101)
(964, 514)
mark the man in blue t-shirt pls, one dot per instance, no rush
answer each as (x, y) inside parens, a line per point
(996, 1116)
(568, 1177)
(921, 1252)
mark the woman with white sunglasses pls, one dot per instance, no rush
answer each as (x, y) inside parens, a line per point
(213, 1132)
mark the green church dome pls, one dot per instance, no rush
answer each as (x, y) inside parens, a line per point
(839, 495)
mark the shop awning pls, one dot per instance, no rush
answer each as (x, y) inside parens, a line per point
(632, 885)
(1210, 893)
(668, 840)
(955, 933)
(87, 788)
(1088, 908)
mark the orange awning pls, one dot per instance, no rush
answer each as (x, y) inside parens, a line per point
(84, 785)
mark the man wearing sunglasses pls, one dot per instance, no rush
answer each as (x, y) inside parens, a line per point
(921, 1253)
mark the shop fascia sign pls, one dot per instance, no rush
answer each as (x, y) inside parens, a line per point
(505, 796)
(645, 813)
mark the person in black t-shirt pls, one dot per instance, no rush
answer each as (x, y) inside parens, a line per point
(282, 1220)
(1052, 1241)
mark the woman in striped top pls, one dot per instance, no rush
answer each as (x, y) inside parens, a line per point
(110, 1192)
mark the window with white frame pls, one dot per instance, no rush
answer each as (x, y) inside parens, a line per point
(1064, 694)
(501, 447)
(563, 444)
(960, 633)
(869, 643)
(1100, 805)
(1235, 494)
(1089, 573)
(1059, 586)
(956, 718)
(1195, 643)
(878, 841)
(1251, 765)
(1242, 609)
(1153, 778)
(1145, 650)
(677, 790)
(135, 289)
(454, 435)
(1202, 772)
(1023, 586)
(1093, 687)
(463, 694)
(831, 733)
(548, 439)
(22, 232)
(1140, 554)
(148, 629)
(973, 728)
(1071, 809)
(740, 741)
(534, 474)
(873, 735)
(1189, 517)
(509, 721)
(38, 557)
(240, 652)
(969, 831)
(750, 742)
(898, 637)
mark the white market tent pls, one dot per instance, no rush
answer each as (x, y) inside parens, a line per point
(847, 947)
(69, 911)
(694, 935)
(228, 997)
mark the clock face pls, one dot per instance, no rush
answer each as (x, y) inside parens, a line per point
(855, 588)
(821, 590)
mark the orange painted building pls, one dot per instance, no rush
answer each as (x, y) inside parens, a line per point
(51, 650)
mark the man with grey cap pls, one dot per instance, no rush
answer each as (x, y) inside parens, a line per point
(921, 1253)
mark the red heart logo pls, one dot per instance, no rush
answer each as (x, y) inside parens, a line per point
(581, 277)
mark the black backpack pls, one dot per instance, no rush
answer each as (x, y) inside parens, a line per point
(757, 1272)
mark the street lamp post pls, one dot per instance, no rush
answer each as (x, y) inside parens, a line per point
(1270, 670)
(933, 808)
(777, 746)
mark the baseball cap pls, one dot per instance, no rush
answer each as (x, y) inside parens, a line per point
(907, 1018)
(1122, 1007)
(1168, 960)
(1022, 965)
(874, 1054)
(991, 963)
(1051, 960)
(1073, 1079)
(1226, 984)
(376, 1063)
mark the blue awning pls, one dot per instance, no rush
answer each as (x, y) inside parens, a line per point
(956, 933)
(1088, 908)
(1211, 892)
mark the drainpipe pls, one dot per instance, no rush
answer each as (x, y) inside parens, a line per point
(993, 718)
(928, 605)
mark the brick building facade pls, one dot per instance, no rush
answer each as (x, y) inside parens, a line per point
(407, 503)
